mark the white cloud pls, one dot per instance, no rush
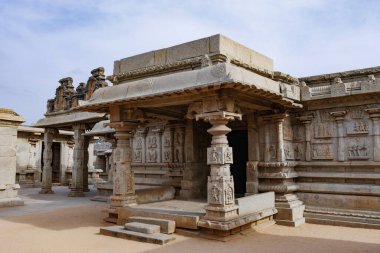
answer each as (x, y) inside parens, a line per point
(43, 41)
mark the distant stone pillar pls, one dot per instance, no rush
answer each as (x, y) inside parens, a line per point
(123, 179)
(267, 157)
(32, 160)
(306, 120)
(280, 138)
(76, 189)
(339, 119)
(374, 114)
(220, 186)
(85, 163)
(9, 121)
(47, 171)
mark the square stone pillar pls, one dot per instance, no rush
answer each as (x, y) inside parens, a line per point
(220, 186)
(76, 188)
(374, 114)
(306, 120)
(47, 170)
(123, 179)
(279, 176)
(9, 121)
(339, 119)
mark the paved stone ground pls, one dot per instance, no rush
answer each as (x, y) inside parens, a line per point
(56, 223)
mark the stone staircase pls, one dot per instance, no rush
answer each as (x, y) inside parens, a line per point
(143, 229)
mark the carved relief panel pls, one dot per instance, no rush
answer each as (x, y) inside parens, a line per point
(221, 191)
(139, 146)
(322, 151)
(179, 137)
(167, 141)
(358, 149)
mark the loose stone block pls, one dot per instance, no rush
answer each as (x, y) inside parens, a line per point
(142, 228)
(167, 226)
(255, 203)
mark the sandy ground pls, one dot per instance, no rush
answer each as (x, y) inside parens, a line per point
(75, 228)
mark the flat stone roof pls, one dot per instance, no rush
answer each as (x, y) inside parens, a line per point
(213, 45)
(68, 119)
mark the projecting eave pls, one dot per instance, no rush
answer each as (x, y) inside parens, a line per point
(191, 83)
(67, 119)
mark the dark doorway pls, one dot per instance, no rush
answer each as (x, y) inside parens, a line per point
(56, 164)
(238, 140)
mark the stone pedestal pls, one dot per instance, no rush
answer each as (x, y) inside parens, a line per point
(47, 170)
(123, 179)
(220, 186)
(9, 121)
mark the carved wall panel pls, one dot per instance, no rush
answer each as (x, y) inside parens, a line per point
(358, 149)
(322, 151)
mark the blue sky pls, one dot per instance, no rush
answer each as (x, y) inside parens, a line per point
(43, 41)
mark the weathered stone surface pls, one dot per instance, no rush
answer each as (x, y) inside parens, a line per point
(142, 227)
(9, 120)
(120, 232)
(255, 203)
(167, 226)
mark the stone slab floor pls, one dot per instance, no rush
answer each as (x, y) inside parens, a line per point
(55, 223)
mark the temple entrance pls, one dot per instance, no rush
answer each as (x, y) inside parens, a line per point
(56, 164)
(238, 140)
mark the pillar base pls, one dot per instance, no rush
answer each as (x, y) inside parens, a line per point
(46, 191)
(76, 193)
(123, 201)
(222, 213)
(290, 210)
(10, 202)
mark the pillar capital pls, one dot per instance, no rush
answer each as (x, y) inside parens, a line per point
(306, 119)
(338, 115)
(374, 113)
(220, 116)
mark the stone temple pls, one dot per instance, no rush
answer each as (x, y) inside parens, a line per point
(212, 120)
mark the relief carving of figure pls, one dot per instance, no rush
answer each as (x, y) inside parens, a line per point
(229, 195)
(167, 155)
(153, 142)
(139, 143)
(215, 194)
(152, 156)
(167, 142)
(272, 151)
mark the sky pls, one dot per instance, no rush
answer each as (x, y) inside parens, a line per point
(42, 41)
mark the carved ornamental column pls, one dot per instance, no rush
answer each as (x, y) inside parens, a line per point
(280, 137)
(123, 179)
(47, 171)
(374, 114)
(76, 189)
(339, 118)
(32, 160)
(267, 156)
(220, 186)
(306, 120)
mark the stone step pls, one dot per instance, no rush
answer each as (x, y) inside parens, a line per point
(341, 220)
(167, 226)
(120, 232)
(142, 228)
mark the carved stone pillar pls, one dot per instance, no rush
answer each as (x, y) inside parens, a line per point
(339, 119)
(267, 156)
(32, 168)
(76, 189)
(220, 186)
(279, 176)
(280, 138)
(47, 171)
(70, 161)
(306, 120)
(374, 114)
(86, 140)
(123, 179)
